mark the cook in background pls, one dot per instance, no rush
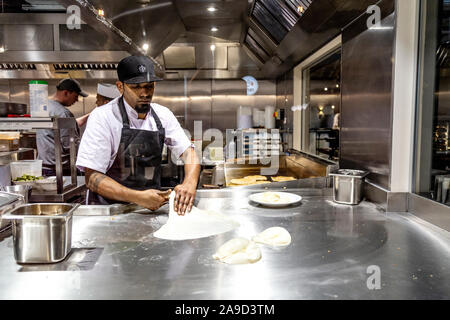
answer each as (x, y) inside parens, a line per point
(121, 149)
(105, 93)
(67, 93)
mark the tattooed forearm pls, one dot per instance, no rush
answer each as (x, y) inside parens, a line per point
(94, 181)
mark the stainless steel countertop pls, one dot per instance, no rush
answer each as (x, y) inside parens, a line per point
(117, 257)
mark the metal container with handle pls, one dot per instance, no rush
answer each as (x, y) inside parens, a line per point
(8, 201)
(348, 186)
(42, 232)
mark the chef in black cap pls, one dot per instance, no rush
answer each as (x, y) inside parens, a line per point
(67, 94)
(121, 149)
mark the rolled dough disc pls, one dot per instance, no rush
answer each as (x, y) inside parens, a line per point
(282, 179)
(195, 224)
(275, 236)
(257, 178)
(238, 251)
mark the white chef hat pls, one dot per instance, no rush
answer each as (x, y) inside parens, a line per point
(108, 90)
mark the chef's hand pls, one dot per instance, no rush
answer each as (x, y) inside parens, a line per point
(184, 198)
(153, 199)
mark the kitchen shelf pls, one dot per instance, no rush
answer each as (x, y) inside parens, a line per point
(9, 153)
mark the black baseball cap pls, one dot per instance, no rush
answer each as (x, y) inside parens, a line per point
(71, 85)
(136, 69)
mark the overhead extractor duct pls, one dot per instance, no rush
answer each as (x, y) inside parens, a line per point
(134, 23)
(281, 33)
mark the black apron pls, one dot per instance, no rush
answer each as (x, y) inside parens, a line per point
(139, 155)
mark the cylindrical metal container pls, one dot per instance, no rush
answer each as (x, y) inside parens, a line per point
(42, 232)
(8, 201)
(348, 186)
(23, 190)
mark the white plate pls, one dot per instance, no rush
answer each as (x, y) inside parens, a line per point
(286, 199)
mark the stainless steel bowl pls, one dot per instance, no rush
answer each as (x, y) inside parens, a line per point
(42, 232)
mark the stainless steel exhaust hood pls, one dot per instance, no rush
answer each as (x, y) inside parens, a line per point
(262, 38)
(281, 33)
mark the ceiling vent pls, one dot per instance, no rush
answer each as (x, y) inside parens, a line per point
(84, 66)
(17, 66)
(278, 17)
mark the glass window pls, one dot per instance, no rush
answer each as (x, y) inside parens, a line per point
(322, 100)
(432, 161)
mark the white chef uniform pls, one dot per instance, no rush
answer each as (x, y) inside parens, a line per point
(101, 139)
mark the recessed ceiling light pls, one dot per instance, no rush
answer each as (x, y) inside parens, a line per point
(145, 46)
(101, 12)
(337, 86)
(300, 9)
(326, 89)
(213, 47)
(2, 49)
(214, 29)
(211, 9)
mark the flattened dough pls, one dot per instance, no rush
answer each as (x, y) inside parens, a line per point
(238, 251)
(275, 236)
(282, 179)
(195, 224)
(257, 178)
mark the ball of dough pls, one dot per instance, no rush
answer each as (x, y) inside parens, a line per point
(275, 236)
(238, 251)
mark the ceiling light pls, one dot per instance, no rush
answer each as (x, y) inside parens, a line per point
(101, 12)
(213, 47)
(211, 9)
(214, 29)
(326, 89)
(332, 107)
(300, 9)
(337, 86)
(2, 49)
(145, 46)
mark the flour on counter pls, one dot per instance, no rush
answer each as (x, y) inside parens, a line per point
(195, 224)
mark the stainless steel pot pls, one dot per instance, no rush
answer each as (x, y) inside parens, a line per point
(8, 201)
(12, 108)
(348, 186)
(42, 232)
(23, 190)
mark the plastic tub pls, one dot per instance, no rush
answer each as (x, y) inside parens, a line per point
(39, 98)
(30, 167)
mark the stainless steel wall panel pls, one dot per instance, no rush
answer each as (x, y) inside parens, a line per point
(19, 92)
(239, 60)
(366, 115)
(179, 57)
(4, 91)
(207, 59)
(171, 95)
(27, 37)
(199, 107)
(85, 39)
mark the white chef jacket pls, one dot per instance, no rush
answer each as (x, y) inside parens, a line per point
(101, 139)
